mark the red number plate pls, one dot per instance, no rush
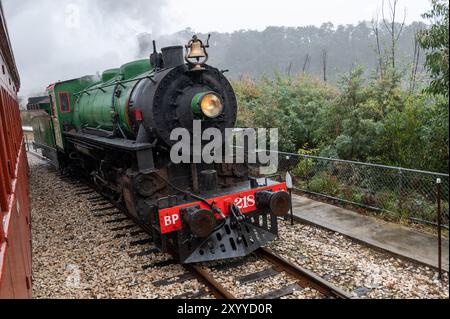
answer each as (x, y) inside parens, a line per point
(170, 218)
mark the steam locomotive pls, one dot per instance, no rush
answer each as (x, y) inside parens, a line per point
(116, 131)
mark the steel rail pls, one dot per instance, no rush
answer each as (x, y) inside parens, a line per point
(305, 277)
(219, 291)
(41, 157)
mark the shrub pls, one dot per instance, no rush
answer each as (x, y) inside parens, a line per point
(324, 183)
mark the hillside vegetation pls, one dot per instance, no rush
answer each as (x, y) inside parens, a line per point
(387, 117)
(374, 120)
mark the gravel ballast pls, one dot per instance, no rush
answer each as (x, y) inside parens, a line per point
(76, 255)
(358, 269)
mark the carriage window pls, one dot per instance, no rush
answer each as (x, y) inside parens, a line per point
(64, 102)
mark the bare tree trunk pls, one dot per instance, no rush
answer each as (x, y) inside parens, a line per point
(376, 30)
(324, 64)
(393, 10)
(390, 27)
(306, 63)
(415, 64)
(289, 70)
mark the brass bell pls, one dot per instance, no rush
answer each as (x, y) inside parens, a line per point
(196, 50)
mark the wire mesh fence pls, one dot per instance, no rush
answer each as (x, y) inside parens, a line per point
(398, 192)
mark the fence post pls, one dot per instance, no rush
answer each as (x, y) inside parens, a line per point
(438, 199)
(287, 177)
(400, 188)
(289, 186)
(306, 171)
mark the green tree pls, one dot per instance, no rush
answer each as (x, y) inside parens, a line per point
(435, 40)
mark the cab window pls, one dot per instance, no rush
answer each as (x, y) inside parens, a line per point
(64, 102)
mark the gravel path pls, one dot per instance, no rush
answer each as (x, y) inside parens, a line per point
(75, 255)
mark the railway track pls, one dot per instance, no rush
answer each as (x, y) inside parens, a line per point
(303, 279)
(37, 155)
(114, 214)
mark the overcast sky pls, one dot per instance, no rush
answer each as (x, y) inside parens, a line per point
(59, 39)
(232, 15)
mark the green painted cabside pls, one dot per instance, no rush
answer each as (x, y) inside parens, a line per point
(62, 101)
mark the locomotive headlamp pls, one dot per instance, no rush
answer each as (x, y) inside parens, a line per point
(277, 202)
(208, 104)
(201, 221)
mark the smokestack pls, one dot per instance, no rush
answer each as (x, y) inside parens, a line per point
(172, 56)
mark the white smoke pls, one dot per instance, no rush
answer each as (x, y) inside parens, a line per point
(59, 40)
